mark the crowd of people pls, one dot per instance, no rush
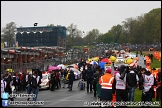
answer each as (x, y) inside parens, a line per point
(123, 83)
(21, 82)
(100, 82)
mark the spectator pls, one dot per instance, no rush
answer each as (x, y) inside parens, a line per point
(132, 83)
(144, 59)
(140, 52)
(106, 82)
(119, 85)
(71, 78)
(147, 86)
(95, 80)
(158, 98)
(35, 84)
(89, 79)
(53, 81)
(28, 82)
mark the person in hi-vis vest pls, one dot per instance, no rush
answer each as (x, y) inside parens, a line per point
(146, 82)
(119, 85)
(106, 82)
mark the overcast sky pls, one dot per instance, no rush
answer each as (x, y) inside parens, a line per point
(87, 15)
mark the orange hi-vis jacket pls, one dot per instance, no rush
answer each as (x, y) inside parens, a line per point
(106, 81)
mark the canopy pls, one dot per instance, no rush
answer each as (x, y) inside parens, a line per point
(54, 68)
(61, 66)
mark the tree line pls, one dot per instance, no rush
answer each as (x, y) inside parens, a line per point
(143, 29)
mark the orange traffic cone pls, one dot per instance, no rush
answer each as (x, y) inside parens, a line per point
(113, 99)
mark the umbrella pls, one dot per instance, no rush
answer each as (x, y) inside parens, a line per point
(102, 64)
(106, 60)
(74, 69)
(93, 62)
(61, 66)
(54, 68)
(112, 58)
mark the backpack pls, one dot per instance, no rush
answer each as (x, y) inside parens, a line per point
(34, 82)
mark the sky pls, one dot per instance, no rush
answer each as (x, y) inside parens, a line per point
(86, 15)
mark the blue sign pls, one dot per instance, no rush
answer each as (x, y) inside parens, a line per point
(4, 102)
(4, 95)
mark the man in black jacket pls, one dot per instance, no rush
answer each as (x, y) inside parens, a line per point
(89, 76)
(95, 80)
(53, 81)
(71, 78)
(132, 82)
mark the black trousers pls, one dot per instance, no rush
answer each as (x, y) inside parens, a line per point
(57, 84)
(53, 86)
(158, 97)
(89, 84)
(147, 97)
(121, 95)
(70, 85)
(94, 88)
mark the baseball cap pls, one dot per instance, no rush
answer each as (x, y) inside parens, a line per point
(108, 70)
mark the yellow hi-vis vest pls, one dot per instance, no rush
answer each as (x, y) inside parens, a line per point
(67, 76)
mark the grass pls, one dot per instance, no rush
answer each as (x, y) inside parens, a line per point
(138, 95)
(156, 63)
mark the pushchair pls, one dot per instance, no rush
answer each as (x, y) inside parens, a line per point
(81, 85)
(64, 81)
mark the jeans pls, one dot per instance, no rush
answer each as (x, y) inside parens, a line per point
(131, 94)
(28, 89)
(35, 91)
